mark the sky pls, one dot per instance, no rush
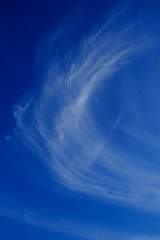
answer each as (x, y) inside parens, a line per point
(79, 125)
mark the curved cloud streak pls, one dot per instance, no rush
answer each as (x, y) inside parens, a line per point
(77, 229)
(59, 127)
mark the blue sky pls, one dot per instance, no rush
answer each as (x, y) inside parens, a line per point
(79, 126)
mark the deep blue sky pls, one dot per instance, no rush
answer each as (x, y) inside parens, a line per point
(79, 126)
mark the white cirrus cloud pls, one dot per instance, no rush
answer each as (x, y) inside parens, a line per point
(58, 126)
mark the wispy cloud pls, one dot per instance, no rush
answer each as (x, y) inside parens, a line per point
(77, 229)
(58, 127)
(83, 230)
